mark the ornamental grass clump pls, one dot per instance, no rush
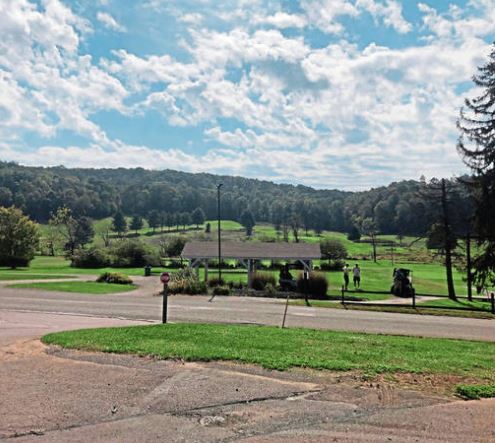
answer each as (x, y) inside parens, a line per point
(261, 279)
(317, 285)
(115, 278)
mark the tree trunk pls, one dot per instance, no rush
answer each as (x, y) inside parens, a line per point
(448, 244)
(373, 242)
(469, 279)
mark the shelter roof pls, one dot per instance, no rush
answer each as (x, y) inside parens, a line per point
(252, 250)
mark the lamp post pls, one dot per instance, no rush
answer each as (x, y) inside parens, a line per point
(219, 234)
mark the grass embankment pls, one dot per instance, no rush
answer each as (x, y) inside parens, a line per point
(82, 287)
(281, 349)
(399, 309)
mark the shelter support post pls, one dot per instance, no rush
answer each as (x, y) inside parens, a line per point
(206, 270)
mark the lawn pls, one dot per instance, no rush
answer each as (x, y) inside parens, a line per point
(460, 304)
(281, 349)
(80, 287)
(11, 276)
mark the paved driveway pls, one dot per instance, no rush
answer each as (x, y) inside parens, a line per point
(51, 395)
(143, 305)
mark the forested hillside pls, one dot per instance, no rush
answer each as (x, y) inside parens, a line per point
(400, 208)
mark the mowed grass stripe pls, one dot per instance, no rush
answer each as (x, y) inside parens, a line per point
(80, 287)
(276, 348)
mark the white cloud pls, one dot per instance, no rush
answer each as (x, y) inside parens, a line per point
(109, 22)
(390, 12)
(282, 20)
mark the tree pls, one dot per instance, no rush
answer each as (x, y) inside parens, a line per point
(333, 249)
(198, 217)
(208, 228)
(247, 220)
(84, 231)
(136, 223)
(441, 235)
(185, 219)
(477, 148)
(154, 219)
(75, 232)
(119, 224)
(19, 238)
(354, 233)
(369, 228)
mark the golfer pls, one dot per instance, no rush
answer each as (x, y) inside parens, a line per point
(346, 271)
(356, 272)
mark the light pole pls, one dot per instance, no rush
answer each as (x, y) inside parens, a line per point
(219, 235)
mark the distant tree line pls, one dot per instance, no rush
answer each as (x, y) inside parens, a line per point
(172, 198)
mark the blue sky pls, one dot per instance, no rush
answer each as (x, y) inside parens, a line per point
(345, 94)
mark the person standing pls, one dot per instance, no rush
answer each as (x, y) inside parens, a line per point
(346, 271)
(356, 272)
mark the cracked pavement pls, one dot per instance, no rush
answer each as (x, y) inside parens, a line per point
(53, 395)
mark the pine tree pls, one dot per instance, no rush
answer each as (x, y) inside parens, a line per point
(198, 217)
(477, 148)
(136, 223)
(119, 224)
(247, 220)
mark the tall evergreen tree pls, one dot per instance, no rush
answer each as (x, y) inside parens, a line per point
(119, 224)
(477, 148)
(136, 223)
(247, 220)
(154, 219)
(198, 217)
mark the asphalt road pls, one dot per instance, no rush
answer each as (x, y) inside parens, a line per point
(143, 306)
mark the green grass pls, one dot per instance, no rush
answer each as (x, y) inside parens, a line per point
(281, 349)
(461, 304)
(475, 392)
(78, 287)
(11, 276)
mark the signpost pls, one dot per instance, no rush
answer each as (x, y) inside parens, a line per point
(165, 278)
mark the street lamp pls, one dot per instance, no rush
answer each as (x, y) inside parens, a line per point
(219, 235)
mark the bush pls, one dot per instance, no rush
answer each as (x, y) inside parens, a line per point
(132, 253)
(187, 286)
(261, 279)
(270, 290)
(221, 290)
(215, 281)
(332, 265)
(236, 285)
(90, 258)
(114, 277)
(317, 285)
(353, 234)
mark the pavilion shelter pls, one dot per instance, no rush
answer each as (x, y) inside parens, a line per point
(248, 253)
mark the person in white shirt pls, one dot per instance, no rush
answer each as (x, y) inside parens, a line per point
(356, 272)
(346, 271)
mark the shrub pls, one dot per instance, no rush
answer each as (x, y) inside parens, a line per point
(90, 258)
(114, 277)
(270, 290)
(236, 285)
(133, 253)
(221, 290)
(261, 279)
(317, 285)
(332, 265)
(353, 233)
(187, 286)
(215, 281)
(174, 246)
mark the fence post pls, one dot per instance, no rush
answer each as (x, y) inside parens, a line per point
(285, 312)
(492, 296)
(343, 291)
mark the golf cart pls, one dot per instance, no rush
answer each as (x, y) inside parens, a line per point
(402, 284)
(286, 281)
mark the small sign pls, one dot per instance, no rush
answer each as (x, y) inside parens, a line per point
(165, 278)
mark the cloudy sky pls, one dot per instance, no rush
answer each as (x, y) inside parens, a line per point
(329, 93)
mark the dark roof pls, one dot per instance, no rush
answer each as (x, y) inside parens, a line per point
(253, 250)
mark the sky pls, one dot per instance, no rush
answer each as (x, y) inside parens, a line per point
(347, 94)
